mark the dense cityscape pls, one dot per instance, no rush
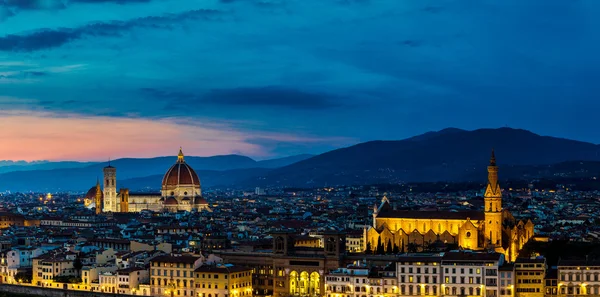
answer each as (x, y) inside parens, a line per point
(299, 148)
(335, 241)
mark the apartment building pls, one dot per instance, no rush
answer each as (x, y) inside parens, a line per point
(473, 274)
(420, 274)
(578, 277)
(173, 275)
(530, 274)
(507, 280)
(218, 280)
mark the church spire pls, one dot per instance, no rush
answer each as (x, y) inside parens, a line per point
(180, 156)
(493, 188)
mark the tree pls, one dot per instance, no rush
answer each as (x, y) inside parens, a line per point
(380, 249)
(412, 247)
(23, 277)
(369, 249)
(396, 250)
(77, 265)
(388, 248)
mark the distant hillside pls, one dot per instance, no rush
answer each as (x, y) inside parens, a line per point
(81, 178)
(447, 155)
(208, 178)
(9, 166)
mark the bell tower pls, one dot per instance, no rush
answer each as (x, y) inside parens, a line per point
(493, 205)
(110, 189)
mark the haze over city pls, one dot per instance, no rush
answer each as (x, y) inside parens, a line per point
(89, 80)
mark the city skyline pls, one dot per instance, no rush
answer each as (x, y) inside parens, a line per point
(88, 80)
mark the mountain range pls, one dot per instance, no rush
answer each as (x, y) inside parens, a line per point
(447, 155)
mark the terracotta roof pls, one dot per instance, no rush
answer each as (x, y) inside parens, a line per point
(170, 201)
(200, 200)
(175, 259)
(91, 193)
(180, 174)
(470, 256)
(221, 269)
(448, 215)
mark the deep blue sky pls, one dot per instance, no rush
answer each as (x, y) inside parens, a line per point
(278, 77)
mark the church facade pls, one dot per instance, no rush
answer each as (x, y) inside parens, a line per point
(180, 191)
(493, 228)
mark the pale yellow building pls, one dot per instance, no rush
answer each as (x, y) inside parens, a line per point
(173, 275)
(223, 281)
(529, 277)
(493, 228)
(49, 266)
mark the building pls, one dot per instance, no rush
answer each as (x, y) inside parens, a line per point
(129, 280)
(172, 275)
(8, 219)
(419, 274)
(530, 275)
(469, 273)
(493, 228)
(48, 267)
(507, 280)
(220, 280)
(578, 277)
(180, 191)
(290, 269)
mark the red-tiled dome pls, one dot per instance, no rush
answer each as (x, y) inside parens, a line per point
(91, 194)
(170, 201)
(180, 174)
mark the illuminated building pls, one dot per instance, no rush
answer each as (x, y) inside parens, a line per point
(419, 274)
(578, 277)
(494, 228)
(173, 275)
(180, 190)
(223, 280)
(290, 269)
(530, 274)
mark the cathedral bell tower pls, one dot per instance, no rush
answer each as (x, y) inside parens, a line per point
(111, 204)
(493, 205)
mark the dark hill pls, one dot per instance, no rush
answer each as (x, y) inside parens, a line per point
(82, 178)
(447, 155)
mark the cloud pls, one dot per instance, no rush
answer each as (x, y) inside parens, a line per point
(112, 1)
(51, 38)
(35, 4)
(271, 97)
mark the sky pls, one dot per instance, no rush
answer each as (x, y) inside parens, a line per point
(97, 79)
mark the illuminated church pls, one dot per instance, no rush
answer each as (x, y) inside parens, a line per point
(180, 191)
(493, 228)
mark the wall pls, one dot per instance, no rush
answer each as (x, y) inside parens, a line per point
(37, 291)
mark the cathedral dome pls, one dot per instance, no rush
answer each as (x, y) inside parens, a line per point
(91, 193)
(180, 174)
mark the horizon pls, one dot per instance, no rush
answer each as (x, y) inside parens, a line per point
(96, 161)
(85, 80)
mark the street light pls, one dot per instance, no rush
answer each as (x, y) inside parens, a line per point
(171, 286)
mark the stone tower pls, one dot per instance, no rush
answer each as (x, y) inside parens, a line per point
(98, 199)
(493, 206)
(110, 189)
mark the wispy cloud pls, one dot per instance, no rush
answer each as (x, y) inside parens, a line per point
(76, 137)
(51, 38)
